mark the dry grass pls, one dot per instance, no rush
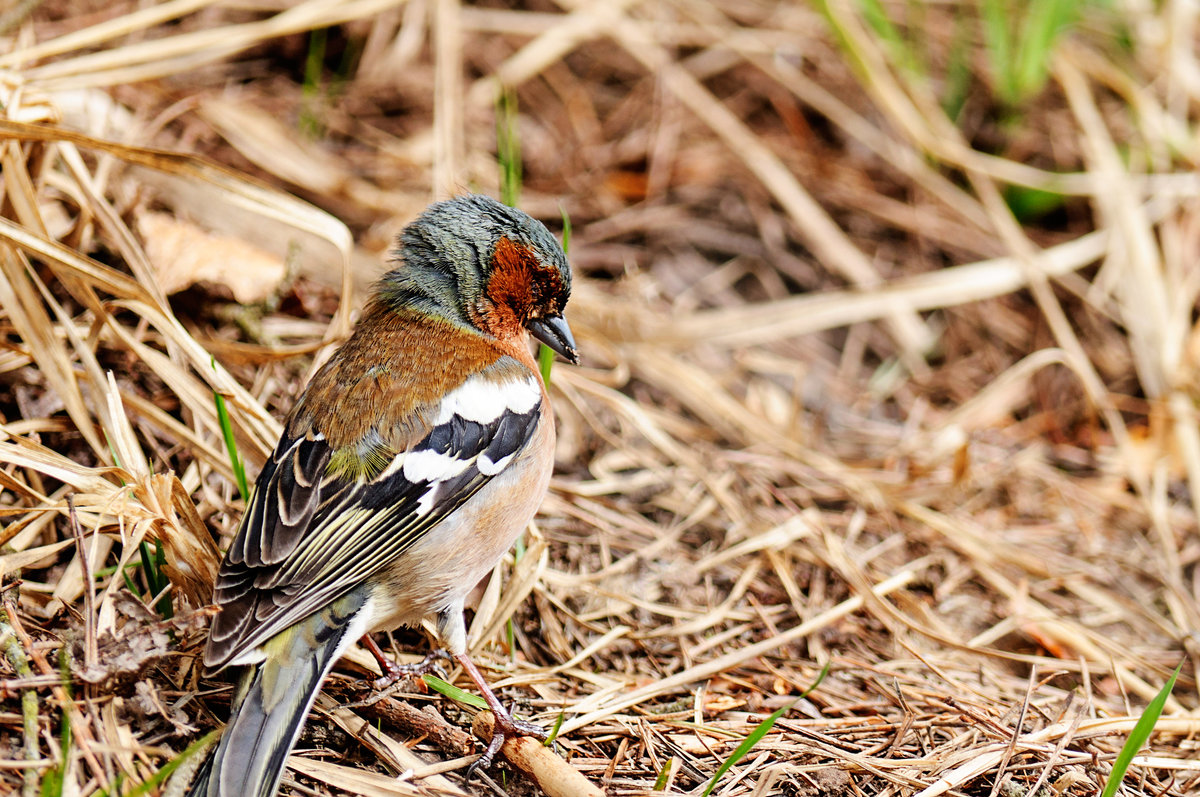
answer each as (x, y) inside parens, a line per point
(839, 403)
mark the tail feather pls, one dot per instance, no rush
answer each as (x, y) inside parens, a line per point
(274, 699)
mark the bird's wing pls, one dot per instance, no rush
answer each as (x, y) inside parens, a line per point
(315, 528)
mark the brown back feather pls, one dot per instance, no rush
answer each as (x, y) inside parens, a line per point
(396, 365)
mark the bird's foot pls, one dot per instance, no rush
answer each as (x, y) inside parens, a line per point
(506, 727)
(393, 672)
(394, 675)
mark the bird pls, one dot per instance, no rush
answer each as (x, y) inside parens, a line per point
(407, 467)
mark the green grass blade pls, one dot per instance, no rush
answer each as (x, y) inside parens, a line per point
(105, 572)
(129, 583)
(112, 451)
(116, 786)
(756, 735)
(958, 68)
(510, 639)
(314, 66)
(660, 782)
(239, 469)
(555, 730)
(900, 44)
(52, 781)
(148, 568)
(1139, 735)
(160, 560)
(508, 147)
(878, 20)
(454, 693)
(156, 580)
(1020, 39)
(558, 722)
(155, 780)
(1044, 25)
(1001, 46)
(753, 738)
(1031, 204)
(566, 236)
(545, 362)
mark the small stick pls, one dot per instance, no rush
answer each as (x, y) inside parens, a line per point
(554, 775)
(427, 723)
(91, 653)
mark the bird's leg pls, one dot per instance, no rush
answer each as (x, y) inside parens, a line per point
(507, 727)
(454, 634)
(393, 672)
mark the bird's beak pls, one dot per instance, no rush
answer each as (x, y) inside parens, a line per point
(554, 332)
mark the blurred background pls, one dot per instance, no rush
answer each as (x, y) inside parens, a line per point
(887, 320)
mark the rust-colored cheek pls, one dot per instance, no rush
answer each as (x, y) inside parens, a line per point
(514, 288)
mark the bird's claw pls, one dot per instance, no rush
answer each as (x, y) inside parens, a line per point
(506, 727)
(393, 672)
(485, 760)
(524, 728)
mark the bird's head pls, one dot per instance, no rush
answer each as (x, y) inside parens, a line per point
(483, 265)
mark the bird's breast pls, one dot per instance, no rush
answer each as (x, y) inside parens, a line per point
(450, 559)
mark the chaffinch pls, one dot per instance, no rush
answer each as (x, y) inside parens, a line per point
(409, 465)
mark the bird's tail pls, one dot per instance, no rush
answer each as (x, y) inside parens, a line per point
(274, 698)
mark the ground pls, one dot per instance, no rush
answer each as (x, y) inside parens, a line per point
(888, 374)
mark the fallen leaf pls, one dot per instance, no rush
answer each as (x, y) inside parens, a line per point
(183, 254)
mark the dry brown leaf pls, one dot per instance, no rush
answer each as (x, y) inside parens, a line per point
(142, 641)
(183, 254)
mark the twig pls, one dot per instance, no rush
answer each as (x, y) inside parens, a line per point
(416, 722)
(10, 685)
(90, 650)
(554, 775)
